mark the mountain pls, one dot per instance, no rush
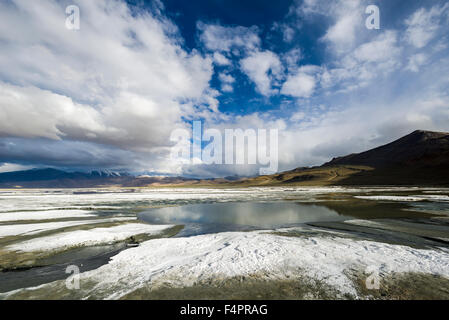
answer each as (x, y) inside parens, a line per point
(49, 177)
(420, 158)
(53, 178)
(420, 148)
(51, 174)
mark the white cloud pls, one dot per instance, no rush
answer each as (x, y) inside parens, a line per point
(342, 33)
(292, 58)
(308, 7)
(221, 60)
(423, 25)
(262, 67)
(123, 80)
(227, 88)
(380, 49)
(358, 56)
(111, 93)
(31, 112)
(10, 167)
(416, 61)
(226, 78)
(226, 82)
(223, 39)
(346, 18)
(288, 32)
(301, 85)
(313, 140)
(298, 116)
(369, 61)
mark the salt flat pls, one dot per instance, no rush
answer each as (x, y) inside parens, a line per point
(43, 215)
(35, 228)
(181, 262)
(64, 240)
(323, 253)
(407, 198)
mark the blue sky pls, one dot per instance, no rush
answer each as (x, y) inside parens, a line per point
(110, 94)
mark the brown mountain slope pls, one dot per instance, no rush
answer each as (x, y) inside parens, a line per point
(420, 158)
(420, 148)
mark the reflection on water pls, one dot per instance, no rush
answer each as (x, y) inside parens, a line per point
(218, 217)
(439, 208)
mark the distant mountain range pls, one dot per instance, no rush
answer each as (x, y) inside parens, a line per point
(420, 158)
(53, 178)
(52, 174)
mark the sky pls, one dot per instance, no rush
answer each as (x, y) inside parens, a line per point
(109, 95)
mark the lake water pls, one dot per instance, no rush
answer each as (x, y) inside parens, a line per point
(237, 216)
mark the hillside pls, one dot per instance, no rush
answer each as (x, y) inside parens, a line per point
(420, 148)
(420, 158)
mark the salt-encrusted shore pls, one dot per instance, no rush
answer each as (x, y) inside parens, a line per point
(44, 215)
(183, 262)
(414, 198)
(96, 236)
(36, 228)
(319, 252)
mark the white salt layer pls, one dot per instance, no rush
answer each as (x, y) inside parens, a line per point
(414, 198)
(185, 261)
(44, 215)
(36, 228)
(65, 240)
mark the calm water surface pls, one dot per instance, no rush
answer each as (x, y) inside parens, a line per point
(219, 217)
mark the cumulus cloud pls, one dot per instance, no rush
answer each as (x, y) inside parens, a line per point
(300, 85)
(370, 61)
(123, 80)
(368, 101)
(31, 112)
(223, 39)
(110, 94)
(221, 60)
(226, 82)
(342, 33)
(292, 58)
(263, 68)
(362, 98)
(345, 18)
